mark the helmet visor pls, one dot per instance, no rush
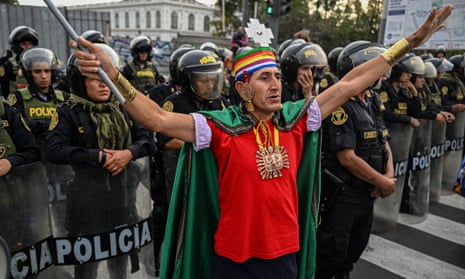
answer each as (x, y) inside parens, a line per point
(207, 85)
(365, 55)
(38, 58)
(445, 66)
(415, 65)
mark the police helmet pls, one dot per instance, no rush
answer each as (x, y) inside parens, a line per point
(442, 64)
(413, 63)
(76, 79)
(357, 53)
(199, 66)
(409, 63)
(22, 34)
(430, 70)
(209, 46)
(38, 58)
(224, 53)
(459, 62)
(296, 55)
(332, 58)
(173, 62)
(141, 44)
(94, 36)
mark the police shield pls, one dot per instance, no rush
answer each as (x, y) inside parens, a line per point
(438, 137)
(386, 210)
(104, 230)
(415, 198)
(453, 148)
(25, 221)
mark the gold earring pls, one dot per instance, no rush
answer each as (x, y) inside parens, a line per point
(248, 94)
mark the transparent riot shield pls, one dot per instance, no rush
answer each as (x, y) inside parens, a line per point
(415, 198)
(25, 222)
(453, 148)
(386, 210)
(104, 230)
(438, 138)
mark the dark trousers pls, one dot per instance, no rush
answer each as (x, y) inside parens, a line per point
(284, 267)
(342, 237)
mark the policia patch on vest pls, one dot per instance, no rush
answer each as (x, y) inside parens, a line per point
(168, 106)
(53, 121)
(12, 99)
(324, 83)
(339, 116)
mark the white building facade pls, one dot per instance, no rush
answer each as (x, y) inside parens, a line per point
(162, 20)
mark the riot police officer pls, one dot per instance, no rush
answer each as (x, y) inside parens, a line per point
(17, 144)
(451, 83)
(38, 101)
(302, 65)
(399, 95)
(11, 77)
(96, 136)
(358, 168)
(141, 71)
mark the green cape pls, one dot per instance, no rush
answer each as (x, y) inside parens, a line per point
(194, 212)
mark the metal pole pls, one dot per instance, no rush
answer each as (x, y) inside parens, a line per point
(245, 12)
(382, 25)
(74, 36)
(223, 18)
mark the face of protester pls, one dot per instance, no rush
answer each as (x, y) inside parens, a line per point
(42, 76)
(266, 85)
(97, 90)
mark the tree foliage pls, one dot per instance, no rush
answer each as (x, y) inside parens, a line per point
(331, 23)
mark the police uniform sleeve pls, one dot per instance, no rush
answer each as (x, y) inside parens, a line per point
(143, 143)
(27, 150)
(67, 142)
(340, 130)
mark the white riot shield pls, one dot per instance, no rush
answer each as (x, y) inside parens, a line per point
(104, 227)
(25, 222)
(415, 197)
(438, 138)
(453, 152)
(386, 210)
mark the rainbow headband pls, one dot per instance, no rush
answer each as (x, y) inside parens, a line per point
(253, 60)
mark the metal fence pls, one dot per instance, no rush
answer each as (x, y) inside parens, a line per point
(51, 34)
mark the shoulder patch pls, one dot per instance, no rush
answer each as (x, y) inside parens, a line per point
(384, 96)
(339, 116)
(324, 83)
(53, 121)
(445, 90)
(2, 71)
(12, 99)
(168, 106)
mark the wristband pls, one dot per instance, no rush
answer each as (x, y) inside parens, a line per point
(104, 158)
(125, 88)
(394, 53)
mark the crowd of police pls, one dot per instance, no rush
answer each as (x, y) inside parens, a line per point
(108, 178)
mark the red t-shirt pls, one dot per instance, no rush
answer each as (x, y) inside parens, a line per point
(258, 218)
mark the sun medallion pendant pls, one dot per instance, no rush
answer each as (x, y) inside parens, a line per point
(270, 160)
